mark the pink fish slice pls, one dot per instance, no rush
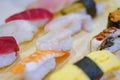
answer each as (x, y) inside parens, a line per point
(37, 15)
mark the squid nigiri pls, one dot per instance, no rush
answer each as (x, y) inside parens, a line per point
(91, 67)
(37, 65)
(57, 40)
(74, 22)
(109, 39)
(21, 30)
(39, 17)
(8, 50)
(51, 5)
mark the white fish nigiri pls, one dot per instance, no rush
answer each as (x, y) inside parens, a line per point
(74, 22)
(37, 65)
(51, 5)
(8, 50)
(21, 30)
(59, 41)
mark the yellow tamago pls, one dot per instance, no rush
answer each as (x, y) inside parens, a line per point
(104, 59)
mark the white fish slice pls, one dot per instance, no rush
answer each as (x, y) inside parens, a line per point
(74, 22)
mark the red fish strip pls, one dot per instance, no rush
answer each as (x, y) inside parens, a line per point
(31, 15)
(8, 44)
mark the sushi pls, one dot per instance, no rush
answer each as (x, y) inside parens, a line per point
(59, 40)
(59, 32)
(21, 30)
(114, 19)
(109, 39)
(8, 50)
(73, 22)
(91, 67)
(52, 6)
(37, 65)
(38, 17)
(90, 6)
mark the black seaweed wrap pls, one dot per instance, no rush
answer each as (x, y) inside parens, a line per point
(90, 6)
(90, 68)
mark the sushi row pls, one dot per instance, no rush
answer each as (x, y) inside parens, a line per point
(91, 67)
(24, 25)
(59, 32)
(109, 39)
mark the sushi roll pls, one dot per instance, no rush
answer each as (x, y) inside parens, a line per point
(74, 22)
(21, 30)
(91, 67)
(58, 40)
(114, 19)
(38, 17)
(109, 39)
(37, 65)
(8, 50)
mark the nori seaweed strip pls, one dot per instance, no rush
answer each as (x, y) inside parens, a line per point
(111, 23)
(90, 6)
(90, 68)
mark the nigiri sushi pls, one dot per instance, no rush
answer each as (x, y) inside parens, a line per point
(109, 39)
(8, 50)
(57, 40)
(51, 5)
(114, 18)
(90, 6)
(39, 17)
(91, 67)
(74, 22)
(37, 65)
(21, 30)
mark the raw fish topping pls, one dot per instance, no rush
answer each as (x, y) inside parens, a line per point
(8, 44)
(31, 15)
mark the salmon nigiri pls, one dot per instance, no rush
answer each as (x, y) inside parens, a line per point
(51, 5)
(37, 16)
(37, 65)
(8, 49)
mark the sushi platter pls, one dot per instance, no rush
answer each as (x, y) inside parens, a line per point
(50, 43)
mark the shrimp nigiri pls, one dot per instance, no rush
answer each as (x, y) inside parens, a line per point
(21, 30)
(74, 22)
(51, 5)
(8, 49)
(39, 17)
(56, 40)
(37, 65)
